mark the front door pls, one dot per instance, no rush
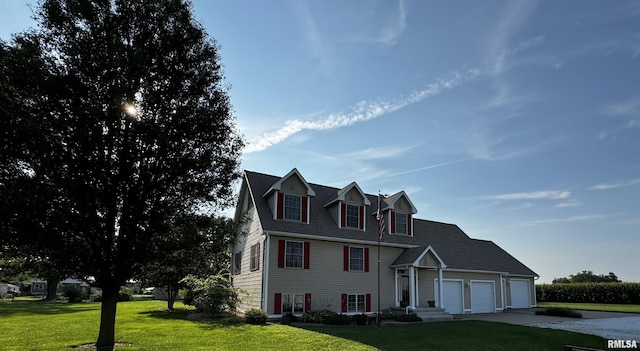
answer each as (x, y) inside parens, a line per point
(404, 301)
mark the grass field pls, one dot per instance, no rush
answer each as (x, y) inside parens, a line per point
(146, 325)
(593, 306)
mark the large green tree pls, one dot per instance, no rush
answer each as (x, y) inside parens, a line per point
(118, 110)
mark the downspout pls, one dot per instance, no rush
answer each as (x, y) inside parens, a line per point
(440, 288)
(265, 273)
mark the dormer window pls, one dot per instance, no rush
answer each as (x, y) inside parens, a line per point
(292, 207)
(401, 223)
(353, 216)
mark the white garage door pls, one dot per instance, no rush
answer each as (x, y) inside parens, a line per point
(452, 296)
(520, 294)
(482, 297)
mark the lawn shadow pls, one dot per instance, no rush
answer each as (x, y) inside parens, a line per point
(41, 307)
(178, 313)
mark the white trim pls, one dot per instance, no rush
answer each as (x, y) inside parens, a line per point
(363, 258)
(278, 185)
(339, 240)
(412, 287)
(342, 192)
(472, 271)
(503, 292)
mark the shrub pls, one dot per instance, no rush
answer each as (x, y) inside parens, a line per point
(125, 294)
(318, 316)
(97, 296)
(559, 312)
(407, 318)
(338, 319)
(74, 293)
(256, 316)
(213, 294)
(288, 319)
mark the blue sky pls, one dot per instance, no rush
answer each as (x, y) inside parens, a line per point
(519, 121)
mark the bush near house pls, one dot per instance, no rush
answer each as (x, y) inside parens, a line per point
(74, 293)
(256, 316)
(618, 293)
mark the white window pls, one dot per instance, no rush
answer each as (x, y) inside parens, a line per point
(356, 303)
(294, 253)
(38, 286)
(353, 216)
(356, 259)
(292, 303)
(401, 223)
(255, 257)
(292, 207)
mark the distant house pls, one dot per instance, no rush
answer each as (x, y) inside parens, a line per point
(39, 286)
(312, 247)
(7, 288)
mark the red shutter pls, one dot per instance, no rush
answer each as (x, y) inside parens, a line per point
(346, 259)
(368, 303)
(277, 304)
(307, 302)
(366, 259)
(393, 221)
(304, 209)
(344, 302)
(361, 217)
(409, 224)
(306, 254)
(281, 249)
(343, 215)
(280, 206)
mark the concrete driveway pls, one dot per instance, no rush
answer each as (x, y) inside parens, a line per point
(609, 325)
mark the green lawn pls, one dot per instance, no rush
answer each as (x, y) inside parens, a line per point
(593, 306)
(38, 325)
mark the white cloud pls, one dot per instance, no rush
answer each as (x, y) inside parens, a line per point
(396, 27)
(378, 153)
(429, 167)
(568, 219)
(568, 204)
(535, 195)
(362, 111)
(625, 108)
(606, 186)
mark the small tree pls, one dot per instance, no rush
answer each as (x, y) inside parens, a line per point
(214, 294)
(195, 245)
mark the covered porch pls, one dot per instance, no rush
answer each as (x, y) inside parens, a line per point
(417, 273)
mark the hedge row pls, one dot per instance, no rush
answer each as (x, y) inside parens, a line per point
(622, 293)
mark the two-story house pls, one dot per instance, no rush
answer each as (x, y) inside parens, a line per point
(311, 247)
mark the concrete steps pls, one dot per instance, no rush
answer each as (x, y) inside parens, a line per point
(427, 314)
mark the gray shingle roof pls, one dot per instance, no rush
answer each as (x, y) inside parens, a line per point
(454, 247)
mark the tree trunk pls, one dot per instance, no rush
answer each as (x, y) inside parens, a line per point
(52, 287)
(172, 293)
(106, 336)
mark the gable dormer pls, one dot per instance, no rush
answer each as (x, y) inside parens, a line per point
(289, 198)
(348, 207)
(398, 211)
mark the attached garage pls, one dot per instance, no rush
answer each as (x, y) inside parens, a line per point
(483, 297)
(520, 293)
(453, 298)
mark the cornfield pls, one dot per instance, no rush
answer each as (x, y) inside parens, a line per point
(620, 293)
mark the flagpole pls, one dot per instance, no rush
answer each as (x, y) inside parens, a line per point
(379, 235)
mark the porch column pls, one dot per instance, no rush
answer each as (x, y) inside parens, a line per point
(412, 287)
(396, 280)
(440, 288)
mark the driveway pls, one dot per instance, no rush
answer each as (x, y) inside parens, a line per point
(609, 325)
